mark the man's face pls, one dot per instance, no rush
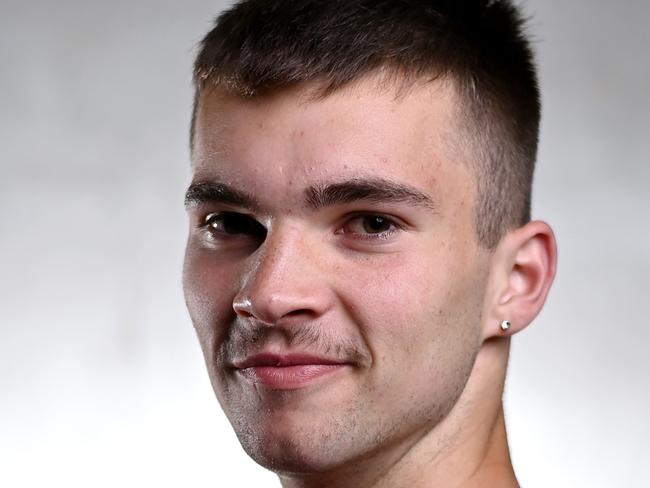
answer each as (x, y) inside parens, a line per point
(332, 270)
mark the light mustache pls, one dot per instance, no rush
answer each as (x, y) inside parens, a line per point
(247, 338)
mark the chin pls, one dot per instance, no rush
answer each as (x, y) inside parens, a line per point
(290, 457)
(290, 452)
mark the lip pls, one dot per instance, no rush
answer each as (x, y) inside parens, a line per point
(288, 372)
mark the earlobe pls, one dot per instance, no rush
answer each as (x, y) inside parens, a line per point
(522, 271)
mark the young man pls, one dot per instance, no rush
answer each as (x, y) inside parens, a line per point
(360, 246)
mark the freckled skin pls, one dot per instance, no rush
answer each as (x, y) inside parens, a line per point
(408, 309)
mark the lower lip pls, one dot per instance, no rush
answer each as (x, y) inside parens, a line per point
(290, 377)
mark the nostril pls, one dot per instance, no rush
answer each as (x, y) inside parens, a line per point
(244, 313)
(243, 307)
(302, 311)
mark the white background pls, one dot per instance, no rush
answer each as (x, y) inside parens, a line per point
(101, 377)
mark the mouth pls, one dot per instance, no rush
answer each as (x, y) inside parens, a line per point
(288, 372)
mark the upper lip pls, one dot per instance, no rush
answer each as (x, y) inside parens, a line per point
(281, 360)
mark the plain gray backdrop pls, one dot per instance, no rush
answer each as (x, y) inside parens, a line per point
(101, 378)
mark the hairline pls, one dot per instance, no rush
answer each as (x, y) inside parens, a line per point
(387, 77)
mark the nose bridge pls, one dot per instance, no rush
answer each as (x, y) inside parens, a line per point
(283, 278)
(283, 249)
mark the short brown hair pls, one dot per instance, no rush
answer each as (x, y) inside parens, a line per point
(262, 46)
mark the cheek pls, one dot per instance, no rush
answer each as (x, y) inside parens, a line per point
(420, 317)
(399, 292)
(209, 292)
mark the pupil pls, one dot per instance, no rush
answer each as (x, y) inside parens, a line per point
(375, 224)
(233, 224)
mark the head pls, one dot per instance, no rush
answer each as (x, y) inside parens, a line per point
(360, 214)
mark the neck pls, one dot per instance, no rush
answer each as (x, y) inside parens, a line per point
(468, 448)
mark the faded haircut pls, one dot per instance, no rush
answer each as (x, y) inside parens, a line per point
(264, 46)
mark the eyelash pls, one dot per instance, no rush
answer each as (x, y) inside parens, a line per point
(249, 224)
(393, 225)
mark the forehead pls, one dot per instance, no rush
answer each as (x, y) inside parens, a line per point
(293, 139)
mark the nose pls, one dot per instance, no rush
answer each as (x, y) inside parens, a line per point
(284, 279)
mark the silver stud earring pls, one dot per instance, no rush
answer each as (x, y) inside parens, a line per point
(505, 325)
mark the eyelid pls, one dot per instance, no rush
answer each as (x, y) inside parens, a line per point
(222, 211)
(397, 221)
(396, 226)
(204, 217)
(210, 215)
(205, 220)
(248, 225)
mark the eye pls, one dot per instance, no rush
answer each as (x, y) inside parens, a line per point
(226, 224)
(370, 227)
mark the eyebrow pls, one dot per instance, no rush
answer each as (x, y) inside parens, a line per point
(202, 192)
(375, 190)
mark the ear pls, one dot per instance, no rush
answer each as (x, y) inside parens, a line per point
(521, 273)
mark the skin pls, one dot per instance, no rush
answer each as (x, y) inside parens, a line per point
(411, 303)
